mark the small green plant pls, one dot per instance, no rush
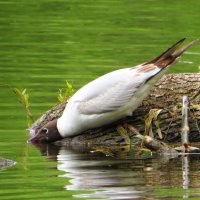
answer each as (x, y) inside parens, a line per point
(65, 93)
(145, 153)
(23, 98)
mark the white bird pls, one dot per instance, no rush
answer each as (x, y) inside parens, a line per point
(109, 98)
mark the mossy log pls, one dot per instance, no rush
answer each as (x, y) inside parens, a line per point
(159, 114)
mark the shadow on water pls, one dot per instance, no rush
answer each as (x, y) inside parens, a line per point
(125, 174)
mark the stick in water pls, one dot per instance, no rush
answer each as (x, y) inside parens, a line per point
(185, 125)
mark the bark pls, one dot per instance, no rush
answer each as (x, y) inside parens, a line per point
(158, 146)
(159, 115)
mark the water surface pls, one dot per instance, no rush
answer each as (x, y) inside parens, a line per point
(45, 42)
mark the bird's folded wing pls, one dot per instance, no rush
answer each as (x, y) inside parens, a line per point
(112, 99)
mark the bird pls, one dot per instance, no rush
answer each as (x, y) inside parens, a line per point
(109, 98)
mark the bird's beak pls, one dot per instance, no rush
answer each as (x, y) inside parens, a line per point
(38, 138)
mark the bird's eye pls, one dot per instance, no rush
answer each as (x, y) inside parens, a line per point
(45, 130)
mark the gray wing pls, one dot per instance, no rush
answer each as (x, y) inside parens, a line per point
(112, 99)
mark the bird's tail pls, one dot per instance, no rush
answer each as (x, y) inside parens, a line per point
(170, 55)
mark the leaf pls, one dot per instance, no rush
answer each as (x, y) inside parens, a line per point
(65, 93)
(150, 119)
(145, 153)
(23, 98)
(105, 150)
(141, 137)
(122, 131)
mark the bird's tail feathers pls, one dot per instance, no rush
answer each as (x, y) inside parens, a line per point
(170, 55)
(184, 48)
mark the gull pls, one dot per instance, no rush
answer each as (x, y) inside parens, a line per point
(109, 98)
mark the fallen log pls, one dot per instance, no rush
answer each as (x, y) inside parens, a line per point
(158, 115)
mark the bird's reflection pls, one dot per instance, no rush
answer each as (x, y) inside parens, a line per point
(120, 174)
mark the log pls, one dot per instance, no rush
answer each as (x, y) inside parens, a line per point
(158, 115)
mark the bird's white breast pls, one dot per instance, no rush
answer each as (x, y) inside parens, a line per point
(74, 121)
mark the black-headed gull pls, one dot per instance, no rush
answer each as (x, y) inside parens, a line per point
(109, 98)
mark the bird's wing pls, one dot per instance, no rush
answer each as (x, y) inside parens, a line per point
(114, 97)
(112, 91)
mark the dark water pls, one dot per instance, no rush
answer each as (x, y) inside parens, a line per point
(45, 42)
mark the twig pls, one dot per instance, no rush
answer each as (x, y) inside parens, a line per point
(185, 126)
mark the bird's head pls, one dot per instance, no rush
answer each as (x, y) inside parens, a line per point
(48, 133)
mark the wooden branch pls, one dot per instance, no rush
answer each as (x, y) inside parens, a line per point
(166, 96)
(185, 148)
(185, 124)
(158, 146)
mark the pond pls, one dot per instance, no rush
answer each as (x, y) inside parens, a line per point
(43, 43)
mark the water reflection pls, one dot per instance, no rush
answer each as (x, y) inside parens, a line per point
(125, 177)
(185, 168)
(102, 176)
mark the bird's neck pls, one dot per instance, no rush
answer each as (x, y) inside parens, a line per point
(65, 128)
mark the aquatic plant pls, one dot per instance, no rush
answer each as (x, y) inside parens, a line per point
(23, 98)
(65, 93)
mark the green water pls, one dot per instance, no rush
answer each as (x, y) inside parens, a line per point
(45, 42)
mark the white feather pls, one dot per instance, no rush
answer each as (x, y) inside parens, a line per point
(106, 99)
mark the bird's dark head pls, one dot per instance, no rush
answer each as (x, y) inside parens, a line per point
(48, 133)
